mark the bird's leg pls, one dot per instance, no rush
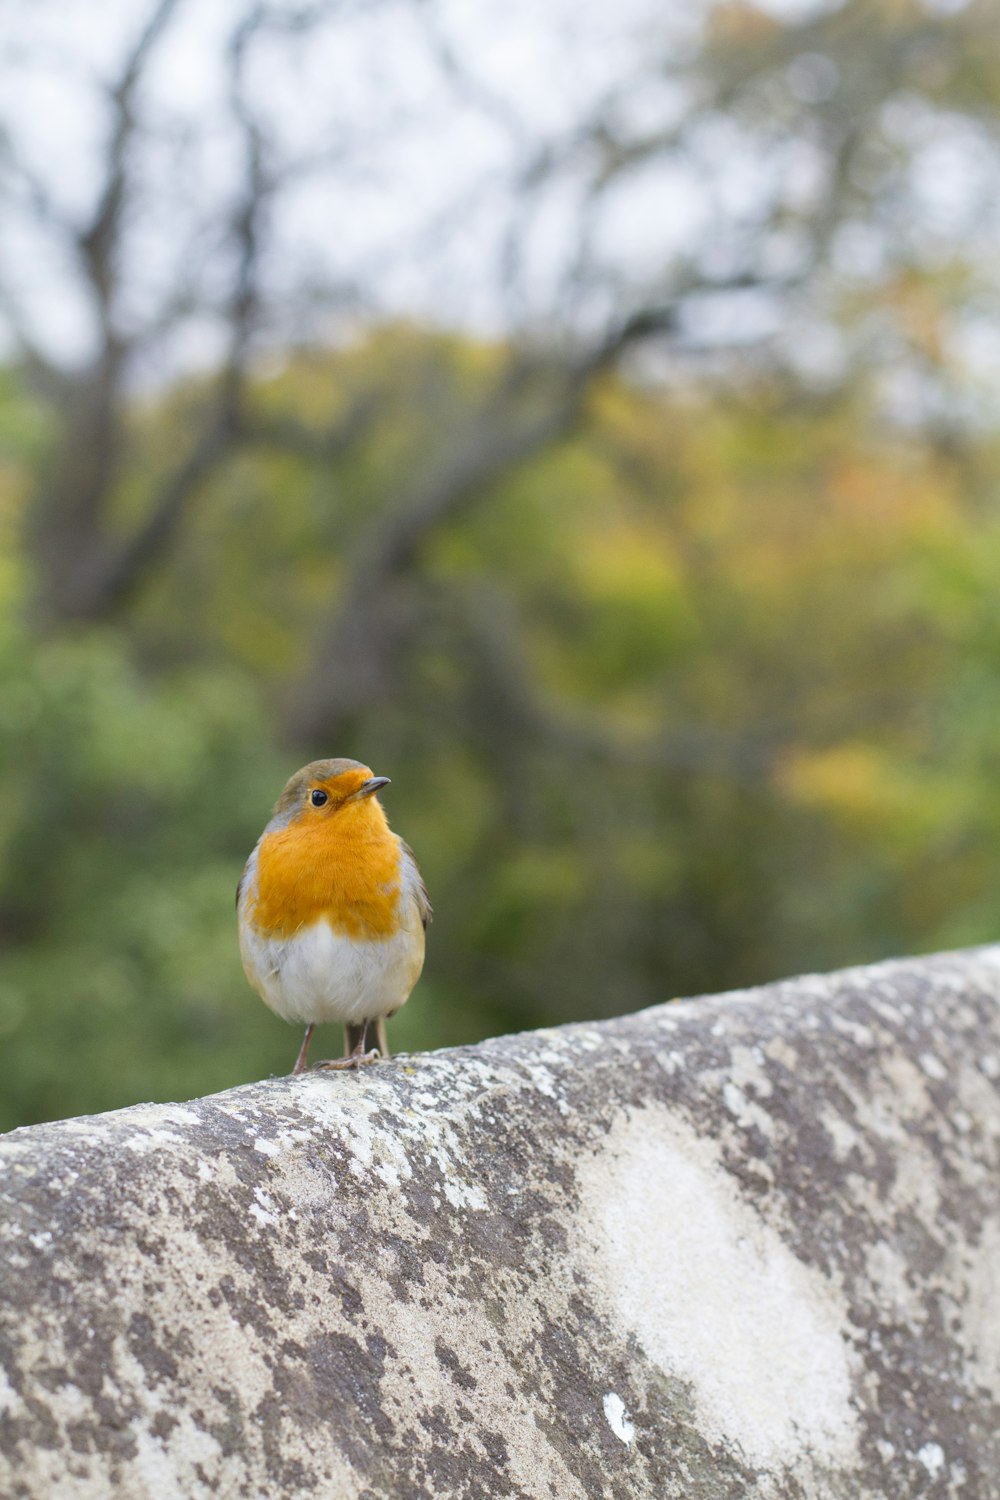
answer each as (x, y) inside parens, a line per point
(300, 1061)
(359, 1049)
(355, 1032)
(357, 1055)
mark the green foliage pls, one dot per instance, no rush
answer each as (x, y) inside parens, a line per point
(127, 808)
(704, 696)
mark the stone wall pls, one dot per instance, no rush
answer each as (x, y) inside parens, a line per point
(743, 1246)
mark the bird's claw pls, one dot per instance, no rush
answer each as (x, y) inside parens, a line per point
(355, 1060)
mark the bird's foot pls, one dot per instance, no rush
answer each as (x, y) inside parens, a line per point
(355, 1060)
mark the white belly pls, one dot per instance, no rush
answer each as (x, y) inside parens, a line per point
(318, 975)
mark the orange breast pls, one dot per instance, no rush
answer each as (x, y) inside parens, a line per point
(345, 868)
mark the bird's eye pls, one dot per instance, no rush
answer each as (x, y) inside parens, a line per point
(317, 798)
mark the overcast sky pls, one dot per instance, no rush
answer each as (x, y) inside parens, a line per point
(419, 118)
(408, 126)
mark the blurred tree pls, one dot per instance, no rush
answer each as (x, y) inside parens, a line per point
(776, 166)
(701, 697)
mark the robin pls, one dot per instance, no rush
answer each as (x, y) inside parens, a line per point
(332, 909)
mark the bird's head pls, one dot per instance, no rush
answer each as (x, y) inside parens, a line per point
(323, 788)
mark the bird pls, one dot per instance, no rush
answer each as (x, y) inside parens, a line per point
(332, 909)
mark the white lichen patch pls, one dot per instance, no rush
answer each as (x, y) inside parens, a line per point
(715, 1297)
(744, 1111)
(748, 1071)
(156, 1462)
(464, 1194)
(281, 1144)
(860, 1035)
(890, 1275)
(10, 1401)
(979, 1267)
(909, 1084)
(152, 1139)
(670, 1061)
(619, 1421)
(843, 1136)
(933, 1066)
(916, 1185)
(931, 1455)
(263, 1208)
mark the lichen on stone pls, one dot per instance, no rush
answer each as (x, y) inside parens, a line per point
(745, 1245)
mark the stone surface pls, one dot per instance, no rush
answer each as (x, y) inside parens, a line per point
(742, 1246)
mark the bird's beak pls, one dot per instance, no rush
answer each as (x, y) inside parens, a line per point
(372, 785)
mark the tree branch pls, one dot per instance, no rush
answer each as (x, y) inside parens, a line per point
(350, 665)
(99, 242)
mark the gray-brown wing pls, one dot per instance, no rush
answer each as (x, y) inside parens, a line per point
(244, 877)
(424, 906)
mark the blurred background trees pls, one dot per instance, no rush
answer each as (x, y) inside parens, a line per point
(588, 420)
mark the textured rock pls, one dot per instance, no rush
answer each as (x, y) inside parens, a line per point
(744, 1246)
